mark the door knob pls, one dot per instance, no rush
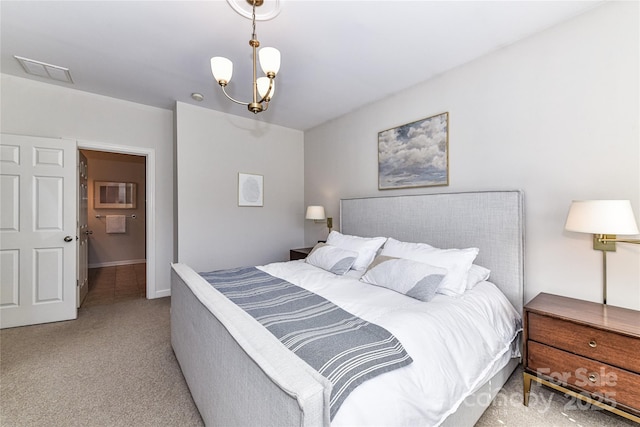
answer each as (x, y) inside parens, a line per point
(68, 239)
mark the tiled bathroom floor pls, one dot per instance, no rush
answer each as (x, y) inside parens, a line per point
(108, 285)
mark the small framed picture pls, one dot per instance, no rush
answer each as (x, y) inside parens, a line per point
(114, 195)
(250, 190)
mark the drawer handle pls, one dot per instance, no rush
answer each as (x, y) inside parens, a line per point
(593, 344)
(593, 377)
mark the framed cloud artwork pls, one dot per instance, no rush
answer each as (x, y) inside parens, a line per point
(250, 190)
(415, 154)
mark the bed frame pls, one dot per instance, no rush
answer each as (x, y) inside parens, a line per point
(240, 374)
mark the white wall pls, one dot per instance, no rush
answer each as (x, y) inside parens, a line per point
(33, 108)
(213, 231)
(556, 115)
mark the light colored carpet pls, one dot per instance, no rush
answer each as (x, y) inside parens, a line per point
(114, 366)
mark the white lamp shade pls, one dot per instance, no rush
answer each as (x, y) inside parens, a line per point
(263, 87)
(221, 68)
(601, 217)
(315, 212)
(269, 59)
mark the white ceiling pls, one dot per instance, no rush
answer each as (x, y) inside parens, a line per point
(336, 55)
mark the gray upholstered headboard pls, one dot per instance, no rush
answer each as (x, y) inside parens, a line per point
(492, 221)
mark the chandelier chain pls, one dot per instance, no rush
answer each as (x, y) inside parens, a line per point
(253, 20)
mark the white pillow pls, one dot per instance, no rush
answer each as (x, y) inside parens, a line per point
(477, 274)
(367, 247)
(411, 278)
(406, 250)
(456, 261)
(331, 258)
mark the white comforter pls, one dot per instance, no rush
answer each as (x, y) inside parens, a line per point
(456, 345)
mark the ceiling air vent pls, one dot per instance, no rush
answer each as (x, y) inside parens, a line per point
(45, 70)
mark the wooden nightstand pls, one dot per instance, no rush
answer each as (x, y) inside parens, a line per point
(588, 350)
(300, 253)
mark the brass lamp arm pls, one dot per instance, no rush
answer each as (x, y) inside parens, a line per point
(606, 239)
(258, 105)
(607, 243)
(267, 97)
(227, 95)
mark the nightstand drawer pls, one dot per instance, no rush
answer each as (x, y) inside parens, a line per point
(616, 385)
(609, 347)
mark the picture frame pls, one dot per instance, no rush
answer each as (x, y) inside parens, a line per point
(250, 190)
(114, 195)
(415, 154)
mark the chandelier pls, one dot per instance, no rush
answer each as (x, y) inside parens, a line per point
(263, 87)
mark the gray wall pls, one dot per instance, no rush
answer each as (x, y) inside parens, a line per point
(555, 115)
(213, 231)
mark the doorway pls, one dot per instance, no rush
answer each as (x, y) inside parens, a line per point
(143, 272)
(116, 227)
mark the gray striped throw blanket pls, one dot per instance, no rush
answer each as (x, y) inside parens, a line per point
(342, 347)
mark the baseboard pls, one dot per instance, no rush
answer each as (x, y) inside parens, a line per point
(161, 294)
(116, 263)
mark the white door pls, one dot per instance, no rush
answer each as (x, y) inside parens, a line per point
(83, 229)
(37, 230)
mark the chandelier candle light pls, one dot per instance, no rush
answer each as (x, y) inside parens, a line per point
(263, 87)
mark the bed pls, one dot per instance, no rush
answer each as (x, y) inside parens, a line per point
(240, 374)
